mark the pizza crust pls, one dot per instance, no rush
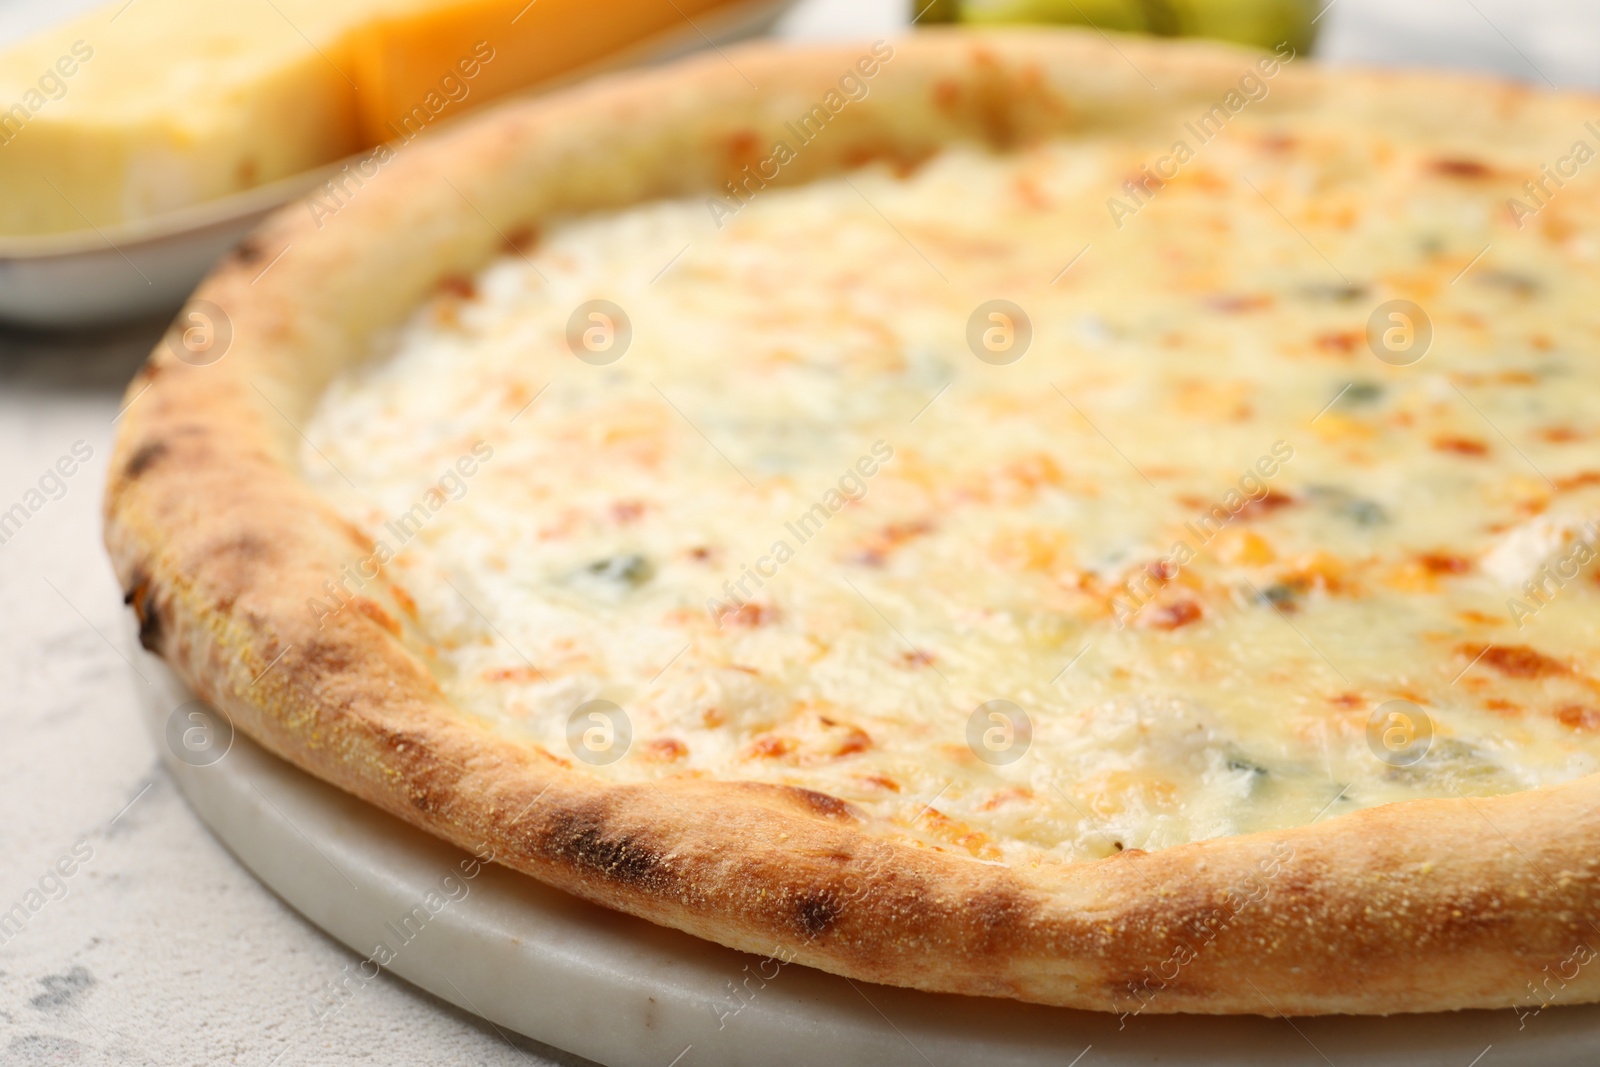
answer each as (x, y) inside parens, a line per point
(1426, 905)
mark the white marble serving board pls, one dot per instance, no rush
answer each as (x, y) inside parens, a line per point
(628, 993)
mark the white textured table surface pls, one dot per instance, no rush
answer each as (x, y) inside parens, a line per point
(158, 947)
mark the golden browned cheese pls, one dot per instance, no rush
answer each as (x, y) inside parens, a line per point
(1179, 517)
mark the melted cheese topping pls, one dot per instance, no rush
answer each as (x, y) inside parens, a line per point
(1355, 532)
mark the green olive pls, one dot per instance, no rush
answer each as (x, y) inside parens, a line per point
(1127, 15)
(1263, 23)
(925, 11)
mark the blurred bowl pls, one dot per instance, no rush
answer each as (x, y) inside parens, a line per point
(118, 273)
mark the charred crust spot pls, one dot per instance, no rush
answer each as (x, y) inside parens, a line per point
(141, 597)
(815, 914)
(999, 911)
(431, 780)
(400, 741)
(428, 799)
(149, 626)
(407, 743)
(326, 658)
(829, 807)
(143, 458)
(239, 560)
(246, 546)
(582, 839)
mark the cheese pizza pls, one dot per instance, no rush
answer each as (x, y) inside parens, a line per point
(1014, 514)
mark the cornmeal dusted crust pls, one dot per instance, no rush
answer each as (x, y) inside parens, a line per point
(1424, 905)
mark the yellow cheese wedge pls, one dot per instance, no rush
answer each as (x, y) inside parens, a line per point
(402, 59)
(141, 108)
